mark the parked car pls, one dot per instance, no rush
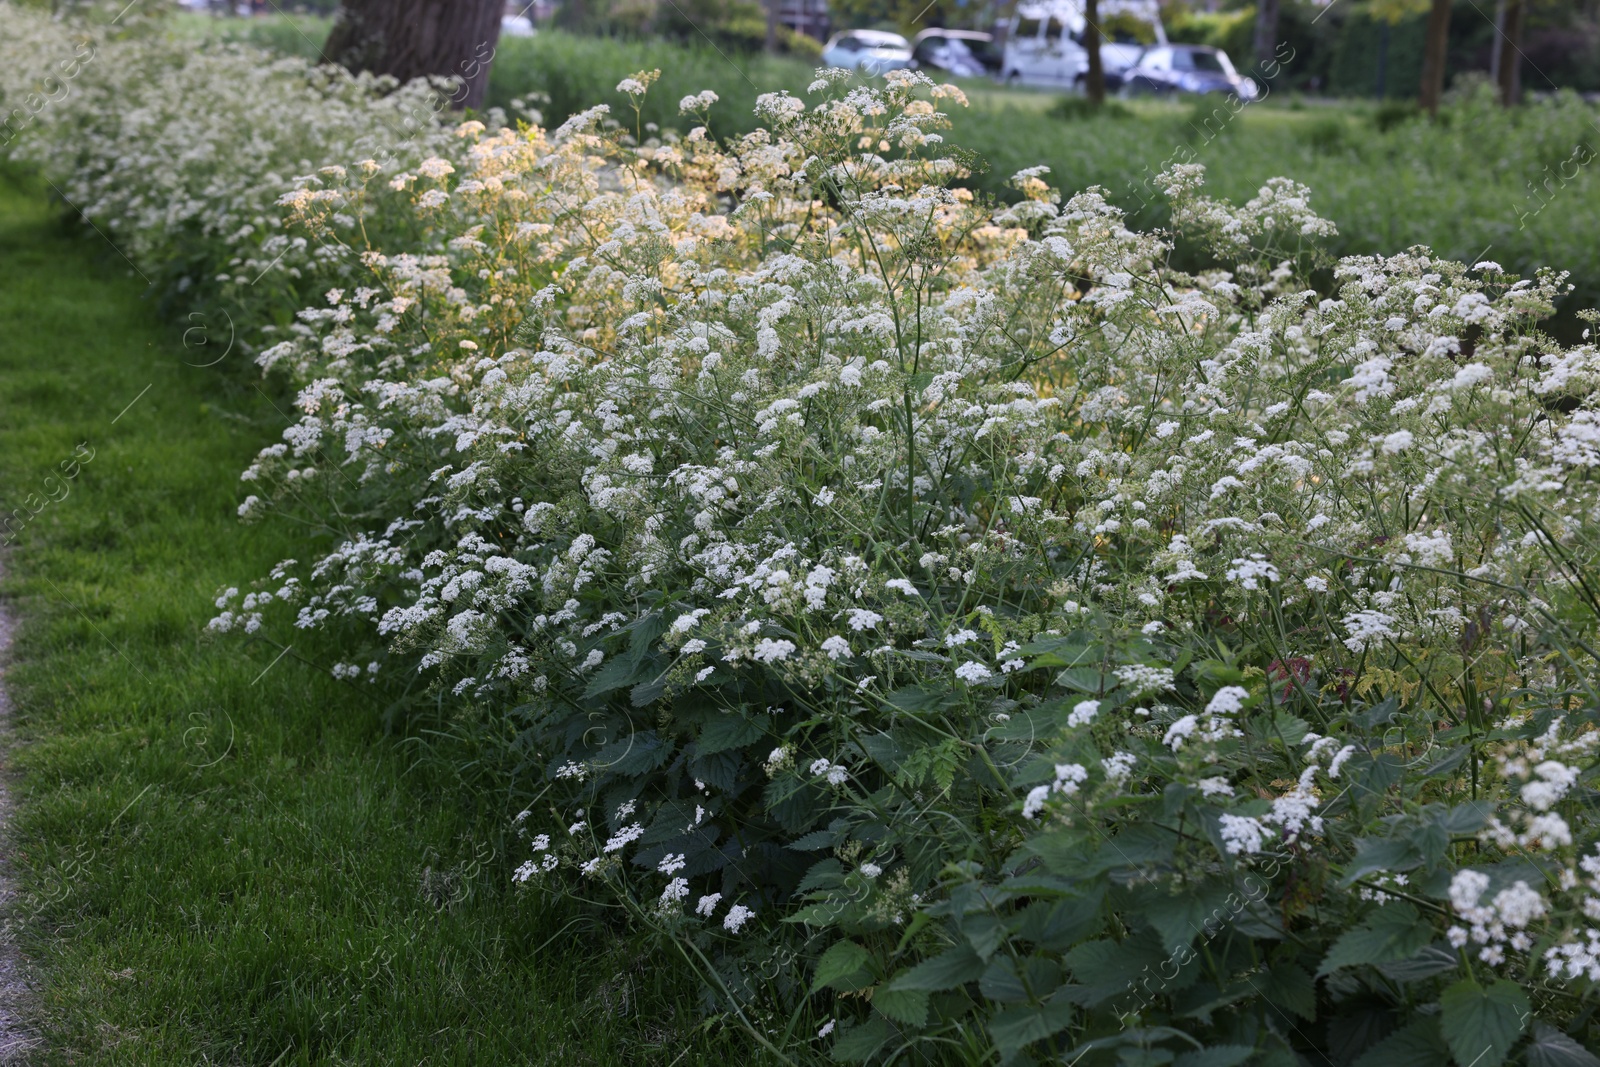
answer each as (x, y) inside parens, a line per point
(964, 53)
(1045, 44)
(869, 51)
(1040, 49)
(516, 26)
(1117, 58)
(1186, 68)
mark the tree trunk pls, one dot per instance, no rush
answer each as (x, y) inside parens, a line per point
(415, 38)
(1094, 83)
(1434, 49)
(772, 25)
(1266, 31)
(1494, 42)
(1511, 54)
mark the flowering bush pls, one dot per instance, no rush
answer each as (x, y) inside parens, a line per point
(963, 635)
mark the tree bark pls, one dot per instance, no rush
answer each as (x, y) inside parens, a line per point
(1511, 54)
(1434, 50)
(417, 38)
(1094, 83)
(1266, 31)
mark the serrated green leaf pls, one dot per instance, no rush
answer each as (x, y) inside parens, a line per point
(843, 960)
(1552, 1048)
(1381, 854)
(1289, 987)
(815, 841)
(1291, 729)
(1015, 1028)
(1082, 679)
(1433, 960)
(1200, 911)
(909, 1006)
(1482, 1024)
(727, 731)
(956, 966)
(860, 1043)
(1447, 763)
(1416, 1045)
(1467, 818)
(917, 698)
(1215, 1056)
(1390, 932)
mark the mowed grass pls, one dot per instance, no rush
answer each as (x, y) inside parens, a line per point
(224, 858)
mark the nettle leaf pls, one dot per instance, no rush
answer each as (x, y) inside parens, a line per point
(1198, 911)
(860, 1043)
(1482, 1023)
(952, 968)
(1448, 762)
(1381, 854)
(1215, 1056)
(727, 731)
(1289, 729)
(824, 874)
(1081, 679)
(1419, 1044)
(1003, 983)
(1467, 818)
(1433, 960)
(1014, 1029)
(1552, 1048)
(1289, 987)
(840, 966)
(909, 1006)
(1390, 932)
(815, 841)
(921, 699)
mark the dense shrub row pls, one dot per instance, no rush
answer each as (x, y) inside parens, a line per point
(964, 636)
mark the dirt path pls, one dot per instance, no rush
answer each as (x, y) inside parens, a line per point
(16, 1040)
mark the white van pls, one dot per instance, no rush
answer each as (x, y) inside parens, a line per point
(1042, 46)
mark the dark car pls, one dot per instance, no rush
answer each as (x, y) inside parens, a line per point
(964, 53)
(1167, 70)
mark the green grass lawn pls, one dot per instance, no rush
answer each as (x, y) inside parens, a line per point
(224, 858)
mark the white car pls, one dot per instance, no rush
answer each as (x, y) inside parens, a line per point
(517, 26)
(869, 51)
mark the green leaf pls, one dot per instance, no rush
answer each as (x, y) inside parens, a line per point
(1416, 1045)
(843, 960)
(1200, 911)
(1482, 1024)
(1289, 987)
(1434, 960)
(728, 730)
(1013, 1029)
(1552, 1048)
(1391, 932)
(916, 698)
(954, 967)
(860, 1043)
(1083, 679)
(1381, 854)
(1448, 762)
(1467, 818)
(1291, 728)
(909, 1006)
(815, 841)
(1215, 1056)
